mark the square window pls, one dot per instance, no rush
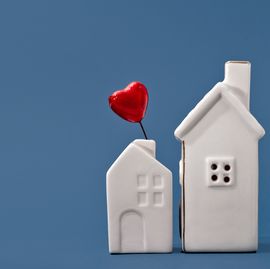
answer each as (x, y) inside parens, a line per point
(141, 181)
(158, 198)
(157, 181)
(142, 198)
(220, 171)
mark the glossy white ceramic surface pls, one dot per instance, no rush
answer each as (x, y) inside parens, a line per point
(139, 201)
(219, 168)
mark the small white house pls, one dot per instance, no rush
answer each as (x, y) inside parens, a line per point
(219, 168)
(139, 201)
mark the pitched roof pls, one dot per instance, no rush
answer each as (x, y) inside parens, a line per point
(219, 91)
(143, 148)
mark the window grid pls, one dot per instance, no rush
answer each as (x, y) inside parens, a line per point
(150, 190)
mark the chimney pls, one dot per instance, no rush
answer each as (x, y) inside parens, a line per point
(237, 75)
(148, 145)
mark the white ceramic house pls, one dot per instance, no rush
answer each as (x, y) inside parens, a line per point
(219, 168)
(139, 201)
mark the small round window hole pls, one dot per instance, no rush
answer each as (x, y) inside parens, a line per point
(213, 166)
(226, 179)
(214, 177)
(227, 167)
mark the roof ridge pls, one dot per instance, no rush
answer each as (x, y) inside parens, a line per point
(208, 101)
(139, 149)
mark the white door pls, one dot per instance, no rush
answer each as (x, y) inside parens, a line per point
(132, 232)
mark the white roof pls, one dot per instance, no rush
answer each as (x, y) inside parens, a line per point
(144, 148)
(220, 90)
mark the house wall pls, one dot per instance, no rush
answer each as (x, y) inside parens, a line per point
(138, 183)
(221, 218)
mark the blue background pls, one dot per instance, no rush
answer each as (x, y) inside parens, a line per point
(59, 61)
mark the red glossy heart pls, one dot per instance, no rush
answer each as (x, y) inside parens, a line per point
(131, 102)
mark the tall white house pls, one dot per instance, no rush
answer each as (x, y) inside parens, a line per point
(139, 201)
(219, 168)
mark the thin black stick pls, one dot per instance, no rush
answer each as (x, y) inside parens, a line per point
(143, 130)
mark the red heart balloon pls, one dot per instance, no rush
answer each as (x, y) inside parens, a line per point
(131, 102)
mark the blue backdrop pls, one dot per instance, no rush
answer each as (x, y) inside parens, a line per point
(59, 61)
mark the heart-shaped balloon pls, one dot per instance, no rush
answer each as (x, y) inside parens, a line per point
(131, 102)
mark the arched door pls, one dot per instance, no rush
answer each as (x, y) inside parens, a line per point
(132, 232)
